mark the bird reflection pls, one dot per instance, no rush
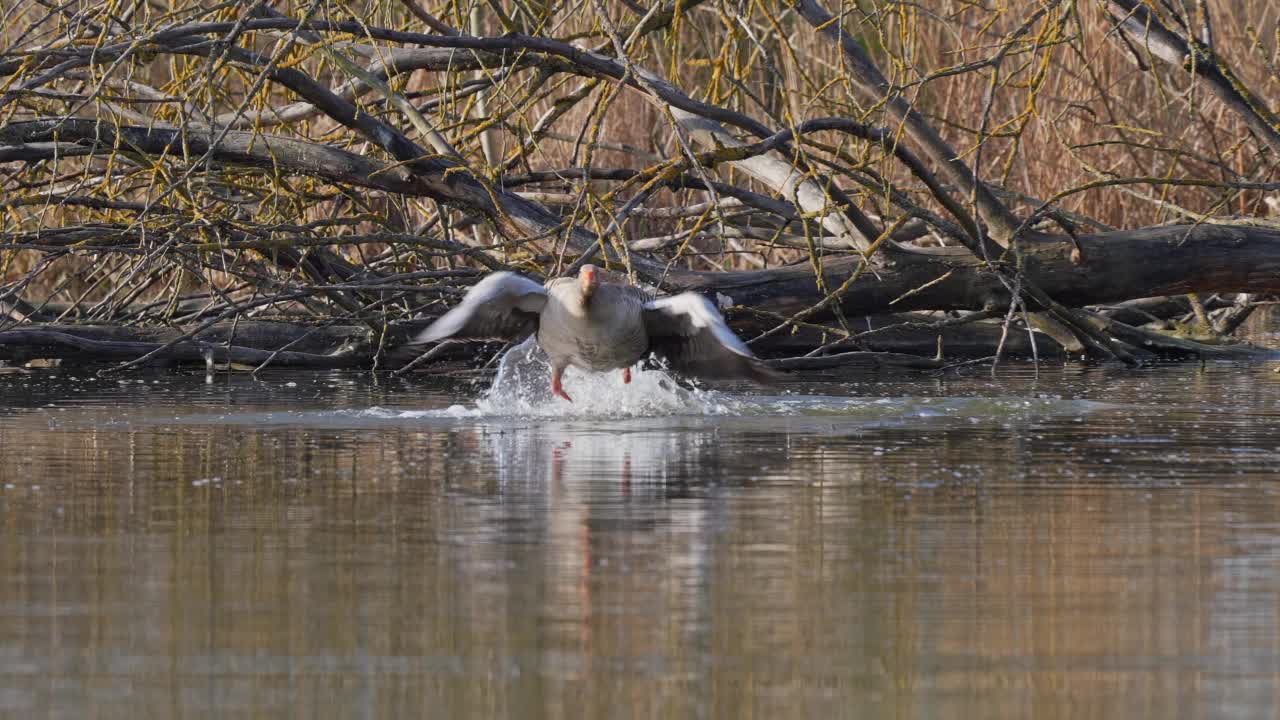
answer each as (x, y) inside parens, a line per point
(598, 495)
(602, 458)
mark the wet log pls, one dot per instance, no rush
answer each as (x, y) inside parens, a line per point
(864, 360)
(302, 345)
(25, 344)
(903, 333)
(1160, 309)
(1147, 310)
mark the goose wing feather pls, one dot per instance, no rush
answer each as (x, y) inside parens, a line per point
(502, 306)
(689, 333)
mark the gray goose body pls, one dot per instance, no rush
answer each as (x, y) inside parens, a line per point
(596, 326)
(606, 333)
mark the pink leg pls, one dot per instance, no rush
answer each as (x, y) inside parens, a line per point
(626, 376)
(556, 388)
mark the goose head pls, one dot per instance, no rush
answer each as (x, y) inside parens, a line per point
(589, 280)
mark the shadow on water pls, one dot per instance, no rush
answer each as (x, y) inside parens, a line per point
(1091, 540)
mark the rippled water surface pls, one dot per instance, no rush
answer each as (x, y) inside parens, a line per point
(1091, 541)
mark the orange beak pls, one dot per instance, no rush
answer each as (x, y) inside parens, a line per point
(589, 279)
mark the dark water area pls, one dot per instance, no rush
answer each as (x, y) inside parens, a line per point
(1085, 541)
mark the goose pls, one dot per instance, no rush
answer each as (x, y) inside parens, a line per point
(600, 326)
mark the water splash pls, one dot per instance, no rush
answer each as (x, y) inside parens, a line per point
(522, 388)
(520, 398)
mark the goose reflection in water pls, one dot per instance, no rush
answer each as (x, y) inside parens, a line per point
(602, 500)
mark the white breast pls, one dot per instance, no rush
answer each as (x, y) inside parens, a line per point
(606, 333)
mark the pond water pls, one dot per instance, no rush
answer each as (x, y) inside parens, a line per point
(1072, 542)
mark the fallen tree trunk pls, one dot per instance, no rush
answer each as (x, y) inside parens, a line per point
(904, 334)
(1118, 266)
(888, 342)
(865, 360)
(43, 343)
(1115, 267)
(302, 345)
(1111, 267)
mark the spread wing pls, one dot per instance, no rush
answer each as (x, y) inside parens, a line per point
(689, 333)
(503, 306)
